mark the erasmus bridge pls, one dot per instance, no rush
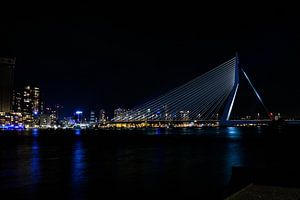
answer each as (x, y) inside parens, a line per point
(201, 99)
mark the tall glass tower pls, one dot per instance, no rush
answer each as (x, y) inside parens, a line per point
(7, 66)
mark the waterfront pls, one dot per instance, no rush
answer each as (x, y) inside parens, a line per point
(152, 163)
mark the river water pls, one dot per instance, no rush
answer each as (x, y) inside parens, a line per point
(139, 164)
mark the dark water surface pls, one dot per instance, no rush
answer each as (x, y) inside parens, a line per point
(139, 164)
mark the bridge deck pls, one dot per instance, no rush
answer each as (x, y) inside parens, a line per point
(194, 121)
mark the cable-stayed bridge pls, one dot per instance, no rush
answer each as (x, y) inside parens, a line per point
(201, 99)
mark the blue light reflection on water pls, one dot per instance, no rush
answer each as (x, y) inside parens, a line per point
(35, 132)
(158, 131)
(233, 132)
(78, 132)
(233, 155)
(35, 161)
(78, 164)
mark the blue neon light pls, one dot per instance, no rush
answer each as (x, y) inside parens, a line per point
(12, 127)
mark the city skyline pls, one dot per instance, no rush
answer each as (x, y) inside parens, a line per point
(207, 100)
(31, 105)
(104, 61)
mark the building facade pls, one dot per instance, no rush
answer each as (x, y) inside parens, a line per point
(120, 113)
(17, 101)
(93, 119)
(102, 116)
(31, 104)
(7, 66)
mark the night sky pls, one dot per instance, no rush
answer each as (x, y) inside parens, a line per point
(120, 58)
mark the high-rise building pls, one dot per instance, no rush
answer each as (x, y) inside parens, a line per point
(120, 113)
(7, 66)
(36, 107)
(42, 108)
(27, 102)
(31, 104)
(78, 116)
(102, 116)
(92, 117)
(31, 100)
(17, 102)
(48, 118)
(58, 108)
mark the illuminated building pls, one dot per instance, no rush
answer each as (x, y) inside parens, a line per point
(42, 107)
(31, 104)
(78, 116)
(48, 118)
(11, 120)
(36, 100)
(102, 116)
(16, 118)
(17, 102)
(27, 105)
(67, 122)
(2, 118)
(31, 100)
(92, 117)
(184, 115)
(119, 113)
(44, 121)
(58, 108)
(6, 83)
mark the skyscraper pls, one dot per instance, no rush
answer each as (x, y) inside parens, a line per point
(102, 116)
(92, 117)
(17, 101)
(36, 100)
(31, 103)
(31, 100)
(78, 116)
(7, 66)
(58, 109)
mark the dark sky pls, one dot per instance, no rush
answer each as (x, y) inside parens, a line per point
(95, 59)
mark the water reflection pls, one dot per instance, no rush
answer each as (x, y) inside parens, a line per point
(233, 156)
(35, 132)
(97, 163)
(78, 164)
(233, 132)
(259, 130)
(35, 162)
(217, 130)
(77, 131)
(158, 131)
